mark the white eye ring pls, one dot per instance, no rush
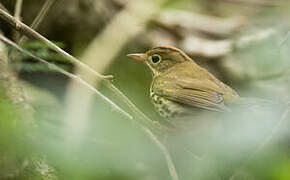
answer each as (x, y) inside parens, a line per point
(155, 58)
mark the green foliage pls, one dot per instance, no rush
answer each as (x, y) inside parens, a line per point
(13, 137)
(43, 51)
(38, 67)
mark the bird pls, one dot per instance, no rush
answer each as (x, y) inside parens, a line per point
(182, 90)
(180, 87)
(200, 110)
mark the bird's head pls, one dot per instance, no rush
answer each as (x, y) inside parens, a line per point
(162, 58)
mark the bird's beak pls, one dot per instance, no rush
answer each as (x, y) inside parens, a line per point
(139, 57)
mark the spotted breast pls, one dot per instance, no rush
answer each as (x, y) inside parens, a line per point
(166, 108)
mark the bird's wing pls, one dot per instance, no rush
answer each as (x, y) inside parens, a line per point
(203, 94)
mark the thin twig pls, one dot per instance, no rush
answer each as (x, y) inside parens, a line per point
(138, 114)
(274, 131)
(285, 39)
(269, 136)
(72, 76)
(3, 7)
(267, 139)
(18, 8)
(24, 29)
(196, 157)
(17, 15)
(42, 13)
(164, 150)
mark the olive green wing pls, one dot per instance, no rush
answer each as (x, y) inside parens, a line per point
(203, 94)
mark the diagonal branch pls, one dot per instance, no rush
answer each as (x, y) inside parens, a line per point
(72, 76)
(24, 29)
(47, 5)
(275, 130)
(145, 122)
(3, 7)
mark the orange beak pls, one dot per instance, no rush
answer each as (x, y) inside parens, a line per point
(139, 57)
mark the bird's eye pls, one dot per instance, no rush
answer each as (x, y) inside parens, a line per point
(155, 58)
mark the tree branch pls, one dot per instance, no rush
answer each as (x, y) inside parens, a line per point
(274, 131)
(3, 7)
(17, 15)
(42, 13)
(138, 114)
(24, 29)
(18, 8)
(72, 76)
(14, 165)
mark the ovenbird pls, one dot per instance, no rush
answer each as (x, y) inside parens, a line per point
(180, 86)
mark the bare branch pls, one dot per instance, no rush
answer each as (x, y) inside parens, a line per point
(3, 7)
(35, 166)
(18, 8)
(274, 131)
(17, 15)
(72, 76)
(138, 114)
(285, 39)
(21, 27)
(42, 13)
(164, 150)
